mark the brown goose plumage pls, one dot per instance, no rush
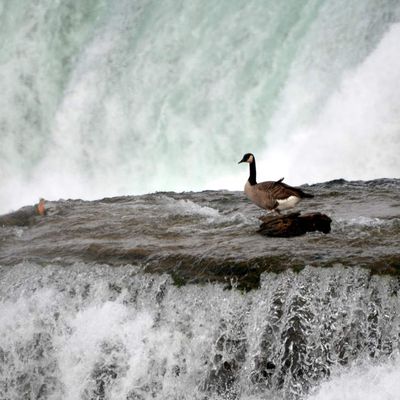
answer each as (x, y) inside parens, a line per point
(271, 195)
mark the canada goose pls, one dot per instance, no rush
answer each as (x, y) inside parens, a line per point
(276, 196)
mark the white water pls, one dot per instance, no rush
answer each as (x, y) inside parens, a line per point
(90, 331)
(366, 382)
(100, 98)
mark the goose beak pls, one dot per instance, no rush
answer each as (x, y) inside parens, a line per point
(240, 161)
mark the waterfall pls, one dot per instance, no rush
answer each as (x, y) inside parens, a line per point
(94, 331)
(101, 98)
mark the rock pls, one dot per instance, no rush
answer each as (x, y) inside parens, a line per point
(294, 224)
(25, 216)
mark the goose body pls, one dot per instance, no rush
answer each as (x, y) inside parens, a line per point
(271, 195)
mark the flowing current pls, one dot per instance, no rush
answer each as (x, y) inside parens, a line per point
(102, 97)
(174, 295)
(113, 333)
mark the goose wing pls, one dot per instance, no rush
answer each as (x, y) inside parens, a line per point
(278, 190)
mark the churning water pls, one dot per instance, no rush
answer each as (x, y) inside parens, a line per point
(174, 295)
(113, 333)
(102, 97)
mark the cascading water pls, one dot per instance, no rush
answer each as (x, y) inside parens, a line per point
(114, 333)
(102, 97)
(126, 298)
(175, 296)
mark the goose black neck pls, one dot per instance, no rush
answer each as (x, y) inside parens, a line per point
(252, 177)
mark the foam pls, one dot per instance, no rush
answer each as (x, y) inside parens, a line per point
(135, 97)
(354, 135)
(188, 207)
(362, 221)
(94, 330)
(364, 382)
(102, 334)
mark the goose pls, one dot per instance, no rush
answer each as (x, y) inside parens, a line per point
(272, 195)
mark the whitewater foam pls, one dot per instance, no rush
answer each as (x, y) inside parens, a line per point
(112, 98)
(363, 221)
(370, 381)
(92, 331)
(188, 207)
(355, 133)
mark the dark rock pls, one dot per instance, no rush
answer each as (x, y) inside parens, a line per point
(21, 217)
(294, 224)
(25, 216)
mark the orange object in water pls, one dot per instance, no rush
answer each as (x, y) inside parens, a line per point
(40, 207)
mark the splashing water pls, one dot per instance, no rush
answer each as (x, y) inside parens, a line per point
(127, 298)
(92, 331)
(365, 382)
(104, 98)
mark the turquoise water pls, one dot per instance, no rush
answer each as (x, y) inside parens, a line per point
(106, 98)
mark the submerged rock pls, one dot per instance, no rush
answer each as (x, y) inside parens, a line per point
(294, 224)
(24, 216)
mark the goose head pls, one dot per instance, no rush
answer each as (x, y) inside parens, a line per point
(248, 157)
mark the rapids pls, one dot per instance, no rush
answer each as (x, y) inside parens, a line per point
(176, 296)
(147, 279)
